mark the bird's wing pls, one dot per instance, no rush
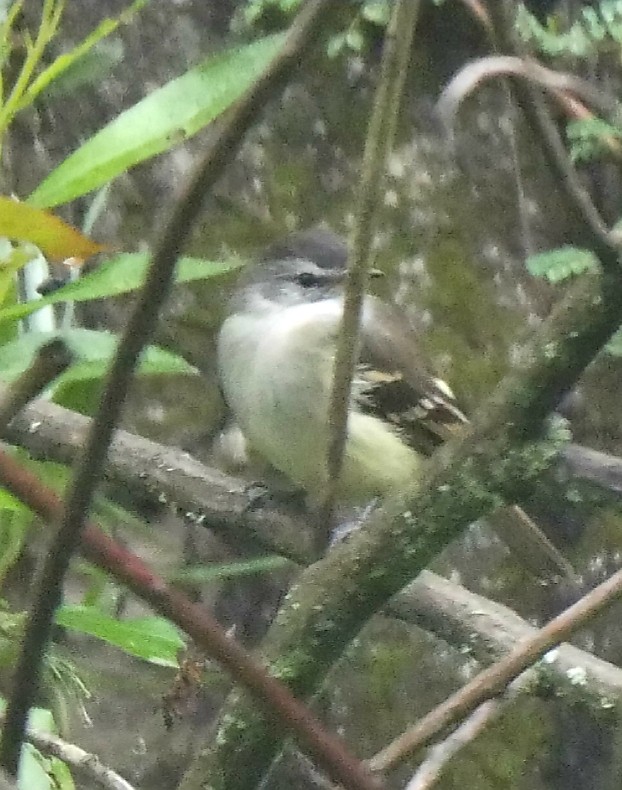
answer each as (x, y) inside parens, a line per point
(397, 383)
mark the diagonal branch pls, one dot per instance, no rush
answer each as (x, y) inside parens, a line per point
(137, 333)
(493, 681)
(380, 134)
(334, 598)
(196, 620)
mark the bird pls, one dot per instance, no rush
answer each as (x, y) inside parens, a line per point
(276, 358)
(276, 352)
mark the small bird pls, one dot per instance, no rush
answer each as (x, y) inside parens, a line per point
(276, 358)
(276, 361)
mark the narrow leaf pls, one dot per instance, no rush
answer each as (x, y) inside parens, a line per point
(160, 121)
(118, 276)
(150, 638)
(202, 574)
(73, 57)
(55, 238)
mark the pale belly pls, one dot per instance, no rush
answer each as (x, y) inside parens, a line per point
(283, 412)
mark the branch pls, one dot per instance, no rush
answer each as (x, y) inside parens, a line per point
(206, 496)
(582, 212)
(85, 762)
(334, 598)
(469, 77)
(489, 630)
(168, 475)
(379, 141)
(431, 769)
(493, 681)
(601, 469)
(50, 361)
(139, 329)
(198, 623)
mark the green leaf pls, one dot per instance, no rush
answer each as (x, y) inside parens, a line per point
(200, 574)
(79, 387)
(61, 775)
(72, 60)
(151, 638)
(33, 774)
(160, 121)
(117, 276)
(589, 138)
(93, 350)
(560, 264)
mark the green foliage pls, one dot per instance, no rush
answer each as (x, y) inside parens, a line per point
(359, 18)
(560, 264)
(70, 64)
(256, 10)
(597, 27)
(150, 638)
(162, 120)
(31, 78)
(587, 138)
(119, 275)
(93, 351)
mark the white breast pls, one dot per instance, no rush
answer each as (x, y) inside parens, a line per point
(275, 371)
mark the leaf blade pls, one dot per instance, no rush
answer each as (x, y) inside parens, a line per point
(174, 112)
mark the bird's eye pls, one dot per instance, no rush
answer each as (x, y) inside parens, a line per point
(308, 279)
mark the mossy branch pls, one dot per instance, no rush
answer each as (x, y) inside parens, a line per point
(498, 460)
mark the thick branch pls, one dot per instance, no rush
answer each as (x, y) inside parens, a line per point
(334, 598)
(490, 630)
(167, 475)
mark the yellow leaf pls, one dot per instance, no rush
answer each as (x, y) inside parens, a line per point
(56, 239)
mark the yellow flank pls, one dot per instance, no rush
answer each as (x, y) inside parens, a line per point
(283, 413)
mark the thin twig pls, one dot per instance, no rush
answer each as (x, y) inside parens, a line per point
(138, 331)
(85, 762)
(494, 680)
(489, 630)
(380, 135)
(430, 771)
(50, 361)
(469, 78)
(583, 214)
